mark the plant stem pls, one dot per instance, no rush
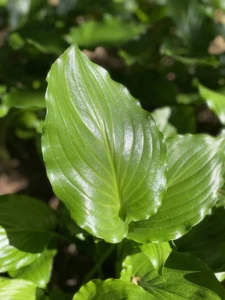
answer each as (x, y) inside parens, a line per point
(98, 265)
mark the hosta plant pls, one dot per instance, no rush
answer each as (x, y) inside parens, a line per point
(125, 177)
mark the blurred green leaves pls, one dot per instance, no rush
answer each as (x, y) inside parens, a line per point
(110, 31)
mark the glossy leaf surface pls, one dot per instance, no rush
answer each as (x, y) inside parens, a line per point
(195, 175)
(157, 254)
(104, 155)
(15, 289)
(26, 226)
(112, 289)
(39, 271)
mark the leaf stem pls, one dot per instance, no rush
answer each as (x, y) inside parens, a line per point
(98, 265)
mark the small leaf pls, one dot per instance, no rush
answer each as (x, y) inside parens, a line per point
(22, 99)
(138, 269)
(39, 271)
(157, 254)
(195, 175)
(104, 155)
(110, 31)
(161, 116)
(112, 289)
(26, 226)
(207, 240)
(146, 265)
(16, 289)
(214, 100)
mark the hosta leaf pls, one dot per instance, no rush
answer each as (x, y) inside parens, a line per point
(25, 230)
(161, 116)
(207, 240)
(112, 289)
(195, 174)
(214, 100)
(16, 289)
(184, 277)
(39, 271)
(104, 155)
(157, 254)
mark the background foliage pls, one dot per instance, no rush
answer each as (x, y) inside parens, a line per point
(170, 54)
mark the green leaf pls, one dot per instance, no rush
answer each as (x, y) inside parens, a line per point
(56, 294)
(39, 271)
(195, 175)
(112, 289)
(15, 41)
(3, 2)
(26, 226)
(161, 116)
(207, 240)
(145, 267)
(188, 99)
(109, 31)
(157, 254)
(186, 60)
(16, 289)
(189, 19)
(22, 99)
(138, 269)
(43, 37)
(220, 276)
(186, 277)
(214, 100)
(115, 172)
(68, 222)
(183, 277)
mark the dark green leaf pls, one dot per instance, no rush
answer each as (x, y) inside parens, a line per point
(26, 226)
(186, 277)
(207, 240)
